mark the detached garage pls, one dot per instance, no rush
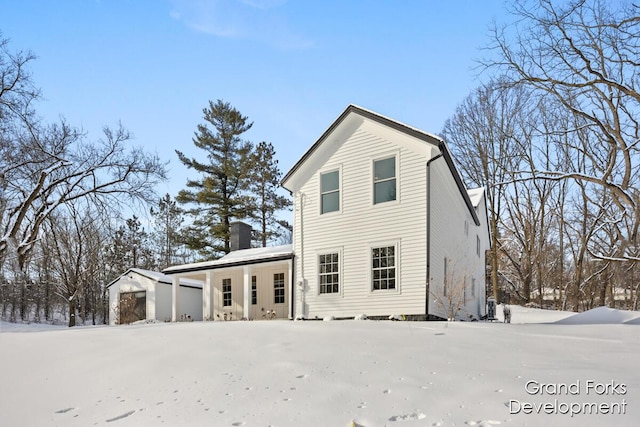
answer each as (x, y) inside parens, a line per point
(146, 295)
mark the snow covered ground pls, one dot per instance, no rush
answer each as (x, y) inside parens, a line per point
(532, 372)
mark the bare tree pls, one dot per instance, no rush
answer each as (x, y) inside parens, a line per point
(584, 54)
(57, 167)
(482, 136)
(44, 167)
(75, 238)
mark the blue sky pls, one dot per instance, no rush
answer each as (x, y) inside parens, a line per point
(290, 66)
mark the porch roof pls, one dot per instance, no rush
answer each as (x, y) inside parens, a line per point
(237, 258)
(157, 277)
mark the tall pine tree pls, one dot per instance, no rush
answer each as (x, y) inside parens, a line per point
(219, 195)
(265, 179)
(168, 218)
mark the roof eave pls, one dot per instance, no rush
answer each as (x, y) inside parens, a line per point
(238, 263)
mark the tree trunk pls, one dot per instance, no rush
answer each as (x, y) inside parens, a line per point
(72, 311)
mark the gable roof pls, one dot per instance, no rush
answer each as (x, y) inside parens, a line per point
(157, 277)
(237, 258)
(396, 125)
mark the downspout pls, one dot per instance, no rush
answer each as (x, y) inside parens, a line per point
(302, 282)
(292, 283)
(428, 278)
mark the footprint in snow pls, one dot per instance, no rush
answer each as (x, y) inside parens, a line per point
(485, 423)
(64, 411)
(409, 417)
(119, 417)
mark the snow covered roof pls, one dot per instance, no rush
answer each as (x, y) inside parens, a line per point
(475, 195)
(158, 277)
(239, 257)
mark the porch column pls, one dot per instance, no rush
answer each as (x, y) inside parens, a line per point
(247, 292)
(175, 298)
(291, 289)
(206, 297)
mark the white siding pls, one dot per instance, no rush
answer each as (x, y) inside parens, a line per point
(158, 298)
(360, 224)
(132, 282)
(266, 294)
(449, 239)
(190, 302)
(234, 311)
(485, 244)
(164, 296)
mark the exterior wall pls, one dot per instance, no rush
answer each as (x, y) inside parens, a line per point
(163, 293)
(190, 302)
(485, 245)
(265, 292)
(359, 225)
(158, 296)
(132, 282)
(234, 311)
(454, 236)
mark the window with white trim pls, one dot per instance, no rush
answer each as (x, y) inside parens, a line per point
(254, 290)
(330, 192)
(226, 292)
(329, 273)
(278, 288)
(384, 180)
(383, 268)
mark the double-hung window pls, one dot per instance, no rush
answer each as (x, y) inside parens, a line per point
(383, 263)
(329, 268)
(384, 180)
(226, 292)
(278, 288)
(330, 191)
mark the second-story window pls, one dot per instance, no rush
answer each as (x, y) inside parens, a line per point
(384, 180)
(330, 191)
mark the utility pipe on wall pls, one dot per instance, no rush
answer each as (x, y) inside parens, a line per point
(428, 272)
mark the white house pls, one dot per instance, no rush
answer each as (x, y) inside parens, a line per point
(247, 283)
(383, 224)
(147, 295)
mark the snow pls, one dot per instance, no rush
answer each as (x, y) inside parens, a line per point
(159, 277)
(475, 195)
(601, 315)
(313, 373)
(239, 256)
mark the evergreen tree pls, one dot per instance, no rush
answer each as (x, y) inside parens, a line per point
(265, 179)
(220, 193)
(168, 218)
(130, 248)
